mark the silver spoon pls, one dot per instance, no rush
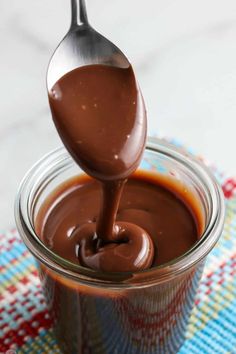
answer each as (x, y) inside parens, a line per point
(82, 45)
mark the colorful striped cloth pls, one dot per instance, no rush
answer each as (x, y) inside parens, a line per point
(25, 325)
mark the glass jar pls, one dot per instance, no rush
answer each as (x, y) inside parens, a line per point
(125, 313)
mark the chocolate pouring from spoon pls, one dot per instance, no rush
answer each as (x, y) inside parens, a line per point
(99, 113)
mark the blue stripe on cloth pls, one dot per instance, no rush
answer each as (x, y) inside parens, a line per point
(217, 336)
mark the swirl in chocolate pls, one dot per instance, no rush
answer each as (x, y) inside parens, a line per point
(100, 116)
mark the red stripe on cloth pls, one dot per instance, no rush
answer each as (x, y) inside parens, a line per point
(210, 283)
(231, 260)
(25, 280)
(8, 247)
(13, 233)
(229, 187)
(27, 329)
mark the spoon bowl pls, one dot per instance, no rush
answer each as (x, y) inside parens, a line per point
(82, 45)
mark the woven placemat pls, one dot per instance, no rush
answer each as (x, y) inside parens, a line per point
(25, 325)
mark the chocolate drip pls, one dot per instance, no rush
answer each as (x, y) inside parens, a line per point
(106, 228)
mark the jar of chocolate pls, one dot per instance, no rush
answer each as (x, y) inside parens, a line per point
(180, 205)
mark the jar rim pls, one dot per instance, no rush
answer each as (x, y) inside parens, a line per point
(142, 278)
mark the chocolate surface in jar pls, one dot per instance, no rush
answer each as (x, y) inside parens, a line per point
(171, 218)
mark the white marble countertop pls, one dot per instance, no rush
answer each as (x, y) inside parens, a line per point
(184, 53)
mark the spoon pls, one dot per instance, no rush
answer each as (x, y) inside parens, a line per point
(82, 45)
(120, 114)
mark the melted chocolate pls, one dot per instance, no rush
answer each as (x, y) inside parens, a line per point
(100, 116)
(146, 203)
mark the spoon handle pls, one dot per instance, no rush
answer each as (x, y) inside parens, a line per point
(78, 13)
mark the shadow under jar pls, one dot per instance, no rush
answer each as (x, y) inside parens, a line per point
(125, 313)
